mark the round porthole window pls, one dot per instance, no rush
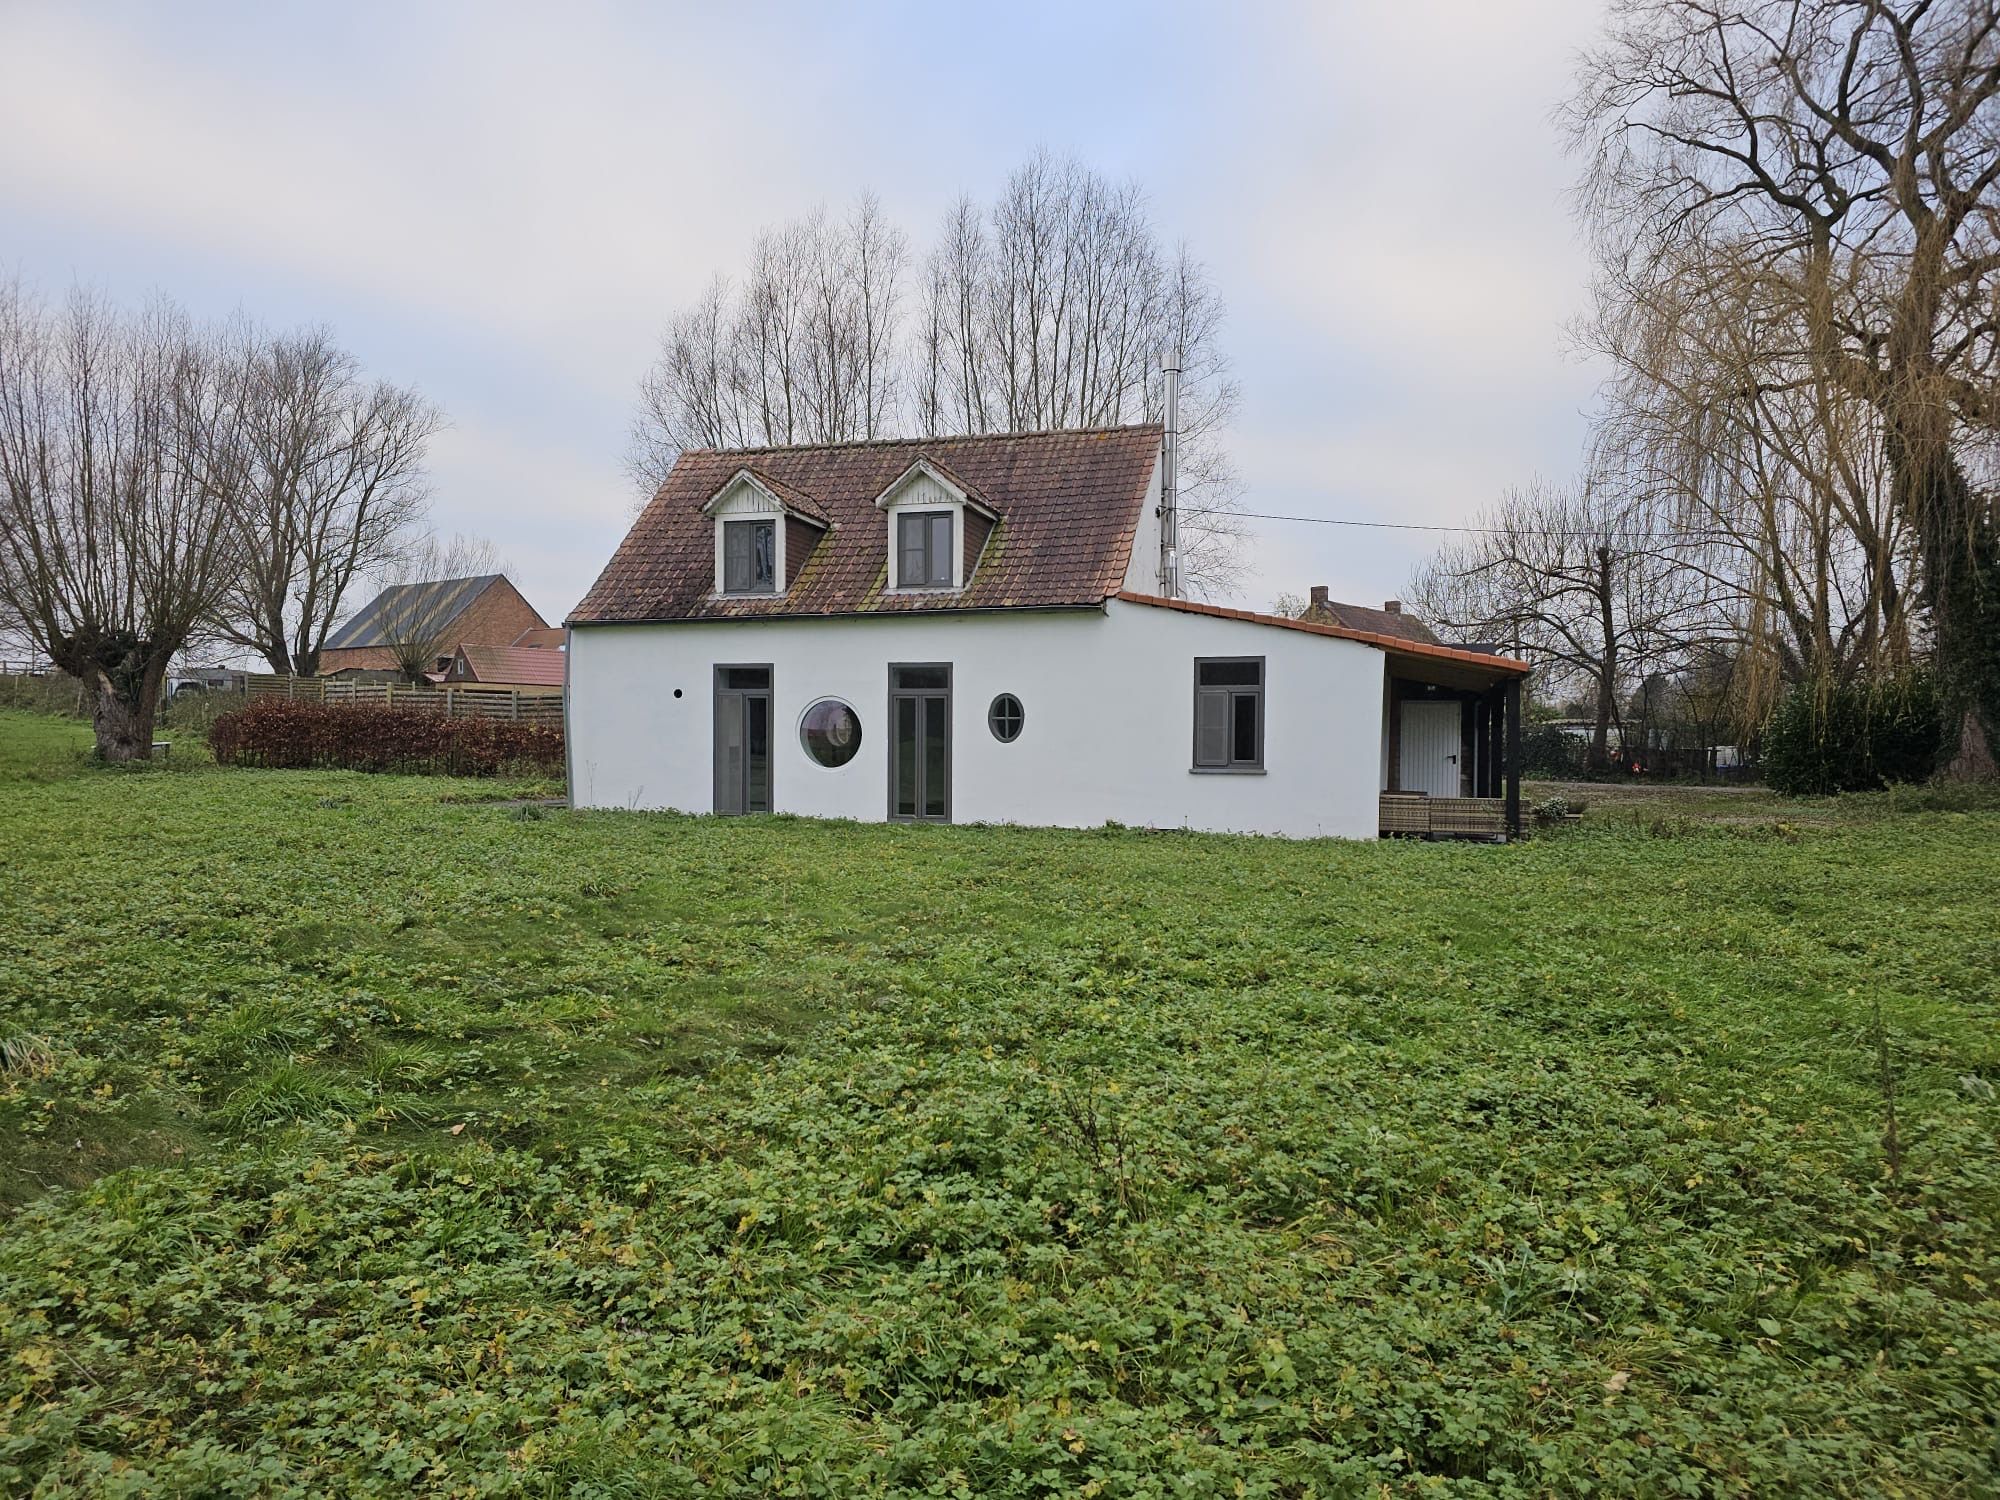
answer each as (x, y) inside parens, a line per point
(1005, 718)
(831, 732)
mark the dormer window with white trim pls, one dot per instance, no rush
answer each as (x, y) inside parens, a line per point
(764, 532)
(937, 529)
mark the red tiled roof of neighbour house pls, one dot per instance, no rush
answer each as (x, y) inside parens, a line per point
(542, 637)
(1400, 645)
(514, 666)
(1068, 504)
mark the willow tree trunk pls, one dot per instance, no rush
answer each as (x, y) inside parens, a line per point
(122, 676)
(1961, 554)
(123, 722)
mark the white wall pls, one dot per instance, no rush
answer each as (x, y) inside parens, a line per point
(1108, 697)
(1142, 572)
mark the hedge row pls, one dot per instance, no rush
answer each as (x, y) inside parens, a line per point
(286, 735)
(1856, 736)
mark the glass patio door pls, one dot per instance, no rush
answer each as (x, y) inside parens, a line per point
(742, 739)
(920, 743)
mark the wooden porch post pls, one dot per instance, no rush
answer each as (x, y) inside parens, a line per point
(1496, 741)
(1513, 757)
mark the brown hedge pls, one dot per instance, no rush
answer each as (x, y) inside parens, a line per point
(285, 735)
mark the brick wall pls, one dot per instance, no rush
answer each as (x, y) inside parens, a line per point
(496, 618)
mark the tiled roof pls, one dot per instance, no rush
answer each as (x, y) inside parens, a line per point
(518, 666)
(546, 637)
(794, 499)
(1402, 645)
(1376, 621)
(418, 610)
(1068, 504)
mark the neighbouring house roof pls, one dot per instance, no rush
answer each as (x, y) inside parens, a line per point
(1068, 504)
(542, 638)
(1394, 622)
(1396, 645)
(514, 666)
(419, 610)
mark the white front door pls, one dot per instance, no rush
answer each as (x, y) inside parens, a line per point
(1430, 748)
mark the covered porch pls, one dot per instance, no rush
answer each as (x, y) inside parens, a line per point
(1451, 745)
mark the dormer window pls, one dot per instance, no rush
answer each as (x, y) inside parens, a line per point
(765, 531)
(938, 527)
(749, 557)
(923, 549)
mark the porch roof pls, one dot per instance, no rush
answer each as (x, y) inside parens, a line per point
(1449, 666)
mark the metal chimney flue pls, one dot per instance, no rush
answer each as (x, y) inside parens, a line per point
(1170, 553)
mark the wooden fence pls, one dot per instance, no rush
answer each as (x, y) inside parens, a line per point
(462, 699)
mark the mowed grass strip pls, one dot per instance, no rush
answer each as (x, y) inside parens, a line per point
(357, 1138)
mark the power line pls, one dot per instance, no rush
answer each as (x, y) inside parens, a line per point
(1264, 515)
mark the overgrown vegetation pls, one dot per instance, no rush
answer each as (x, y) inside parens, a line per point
(278, 734)
(1856, 736)
(364, 1143)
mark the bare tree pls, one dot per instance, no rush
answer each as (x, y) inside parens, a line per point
(1560, 577)
(422, 592)
(805, 350)
(1773, 478)
(1049, 309)
(332, 479)
(118, 463)
(1052, 309)
(1850, 149)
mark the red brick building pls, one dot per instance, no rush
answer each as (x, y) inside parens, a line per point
(444, 614)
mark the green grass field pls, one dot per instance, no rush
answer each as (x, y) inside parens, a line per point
(358, 1137)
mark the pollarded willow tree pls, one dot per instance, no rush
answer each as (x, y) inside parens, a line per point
(1049, 308)
(1848, 153)
(119, 463)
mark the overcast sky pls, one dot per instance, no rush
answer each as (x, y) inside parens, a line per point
(500, 204)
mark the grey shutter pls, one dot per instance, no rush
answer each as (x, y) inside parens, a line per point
(1211, 727)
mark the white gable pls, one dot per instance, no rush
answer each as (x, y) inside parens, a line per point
(744, 496)
(920, 488)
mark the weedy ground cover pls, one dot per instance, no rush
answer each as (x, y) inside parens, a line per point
(358, 1137)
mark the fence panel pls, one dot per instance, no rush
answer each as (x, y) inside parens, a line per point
(464, 700)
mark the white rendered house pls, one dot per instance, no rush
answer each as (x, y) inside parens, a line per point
(982, 629)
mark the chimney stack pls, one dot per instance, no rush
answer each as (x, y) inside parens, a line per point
(1392, 606)
(1170, 553)
(1319, 604)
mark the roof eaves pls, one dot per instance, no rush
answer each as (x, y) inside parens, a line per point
(1402, 645)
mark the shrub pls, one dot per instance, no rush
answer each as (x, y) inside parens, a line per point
(1550, 752)
(284, 735)
(1854, 737)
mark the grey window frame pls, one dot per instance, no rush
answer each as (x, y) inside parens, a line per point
(903, 519)
(768, 522)
(1229, 765)
(769, 693)
(1021, 717)
(949, 693)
